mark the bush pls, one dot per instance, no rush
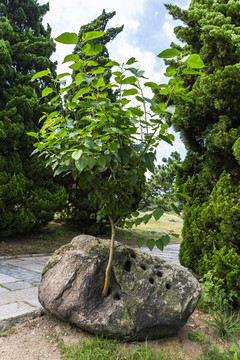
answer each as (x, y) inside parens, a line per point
(211, 235)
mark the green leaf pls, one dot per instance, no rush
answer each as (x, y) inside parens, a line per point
(87, 79)
(171, 109)
(47, 91)
(165, 239)
(130, 80)
(34, 134)
(175, 235)
(92, 35)
(79, 65)
(175, 209)
(81, 92)
(159, 244)
(170, 71)
(140, 242)
(136, 111)
(138, 221)
(192, 72)
(34, 152)
(139, 98)
(135, 214)
(62, 75)
(157, 214)
(59, 170)
(136, 72)
(102, 161)
(151, 243)
(67, 38)
(149, 159)
(100, 83)
(131, 61)
(165, 138)
(168, 53)
(113, 63)
(146, 218)
(89, 143)
(40, 74)
(151, 85)
(91, 162)
(90, 50)
(124, 154)
(81, 163)
(71, 57)
(133, 179)
(98, 70)
(77, 154)
(165, 91)
(130, 92)
(92, 63)
(194, 61)
(164, 127)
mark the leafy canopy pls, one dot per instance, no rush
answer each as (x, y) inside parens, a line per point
(117, 139)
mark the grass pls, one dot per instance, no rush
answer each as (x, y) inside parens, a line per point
(98, 348)
(215, 354)
(8, 332)
(226, 324)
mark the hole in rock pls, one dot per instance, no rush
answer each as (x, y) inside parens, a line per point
(128, 265)
(143, 267)
(159, 274)
(109, 291)
(168, 286)
(151, 280)
(117, 296)
(133, 255)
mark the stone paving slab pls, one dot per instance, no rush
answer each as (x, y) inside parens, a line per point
(17, 285)
(19, 273)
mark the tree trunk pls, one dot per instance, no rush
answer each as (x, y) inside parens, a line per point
(109, 265)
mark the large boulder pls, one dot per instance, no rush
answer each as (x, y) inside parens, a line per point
(148, 297)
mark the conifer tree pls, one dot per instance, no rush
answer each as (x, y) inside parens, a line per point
(209, 127)
(28, 195)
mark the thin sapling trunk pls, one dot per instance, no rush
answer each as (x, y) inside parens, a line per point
(109, 265)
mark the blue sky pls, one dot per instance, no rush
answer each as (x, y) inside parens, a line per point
(148, 29)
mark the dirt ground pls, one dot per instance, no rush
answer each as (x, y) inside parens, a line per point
(34, 339)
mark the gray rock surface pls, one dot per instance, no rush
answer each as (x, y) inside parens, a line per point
(148, 297)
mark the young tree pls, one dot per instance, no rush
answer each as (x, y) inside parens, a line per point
(82, 205)
(28, 195)
(108, 147)
(209, 127)
(160, 187)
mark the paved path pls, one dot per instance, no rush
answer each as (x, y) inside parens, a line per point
(19, 280)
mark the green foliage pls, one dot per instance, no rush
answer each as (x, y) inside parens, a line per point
(214, 293)
(210, 129)
(159, 188)
(216, 223)
(81, 208)
(197, 336)
(28, 195)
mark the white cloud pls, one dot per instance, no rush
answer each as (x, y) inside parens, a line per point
(168, 30)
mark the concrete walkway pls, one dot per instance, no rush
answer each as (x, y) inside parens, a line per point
(19, 280)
